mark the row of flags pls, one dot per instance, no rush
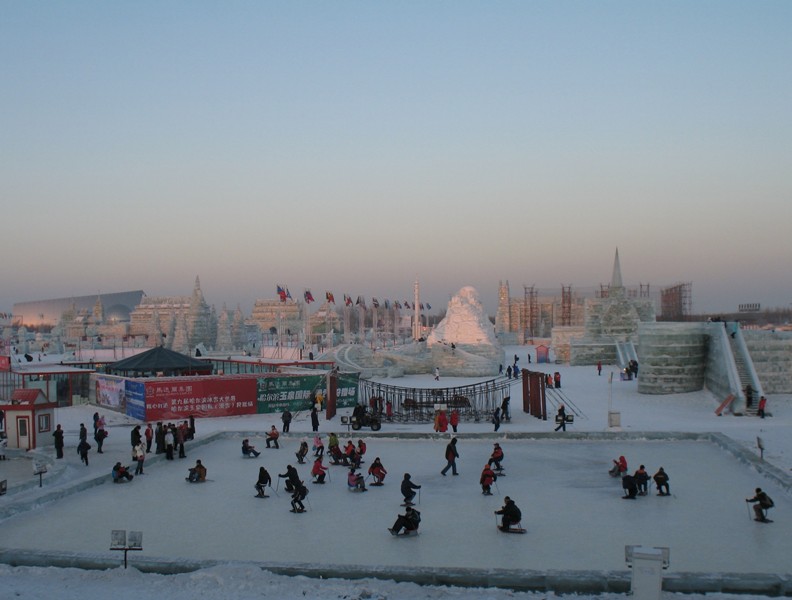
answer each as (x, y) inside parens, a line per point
(284, 294)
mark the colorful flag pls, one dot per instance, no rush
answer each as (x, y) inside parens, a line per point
(329, 297)
(375, 303)
(406, 304)
(308, 296)
(397, 304)
(288, 294)
(387, 303)
(281, 293)
(428, 306)
(347, 300)
(422, 306)
(360, 302)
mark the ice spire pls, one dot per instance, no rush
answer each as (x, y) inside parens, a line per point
(616, 278)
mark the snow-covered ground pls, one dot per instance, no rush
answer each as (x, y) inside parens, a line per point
(573, 510)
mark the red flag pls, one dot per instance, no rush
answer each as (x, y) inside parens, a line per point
(329, 297)
(308, 296)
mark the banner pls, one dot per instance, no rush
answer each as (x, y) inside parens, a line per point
(5, 363)
(136, 400)
(111, 392)
(177, 400)
(347, 389)
(295, 392)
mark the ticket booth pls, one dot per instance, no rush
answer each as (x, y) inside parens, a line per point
(29, 420)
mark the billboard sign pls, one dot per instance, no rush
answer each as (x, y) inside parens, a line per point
(212, 397)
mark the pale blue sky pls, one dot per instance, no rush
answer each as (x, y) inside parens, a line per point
(352, 146)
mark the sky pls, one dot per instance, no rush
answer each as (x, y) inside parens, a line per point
(356, 147)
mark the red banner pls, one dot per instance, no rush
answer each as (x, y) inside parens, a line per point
(214, 397)
(5, 363)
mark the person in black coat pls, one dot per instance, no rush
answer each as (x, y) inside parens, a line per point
(314, 419)
(630, 488)
(292, 478)
(561, 418)
(300, 492)
(407, 487)
(286, 417)
(58, 435)
(264, 480)
(511, 515)
(763, 502)
(159, 438)
(409, 521)
(451, 454)
(135, 437)
(83, 433)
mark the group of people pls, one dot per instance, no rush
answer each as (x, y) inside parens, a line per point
(167, 438)
(442, 421)
(637, 484)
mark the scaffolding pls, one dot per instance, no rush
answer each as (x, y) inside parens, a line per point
(530, 304)
(676, 302)
(566, 305)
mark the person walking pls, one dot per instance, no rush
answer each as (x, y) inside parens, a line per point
(437, 373)
(82, 450)
(496, 418)
(451, 454)
(100, 436)
(561, 418)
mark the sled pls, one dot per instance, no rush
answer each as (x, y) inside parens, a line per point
(763, 520)
(515, 528)
(405, 533)
(377, 483)
(257, 496)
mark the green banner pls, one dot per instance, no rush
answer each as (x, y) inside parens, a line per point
(298, 392)
(347, 391)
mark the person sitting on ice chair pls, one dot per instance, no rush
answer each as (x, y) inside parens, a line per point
(249, 450)
(409, 521)
(511, 515)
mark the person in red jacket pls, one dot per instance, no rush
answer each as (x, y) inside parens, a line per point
(361, 449)
(454, 420)
(273, 436)
(487, 479)
(496, 457)
(377, 471)
(619, 467)
(318, 471)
